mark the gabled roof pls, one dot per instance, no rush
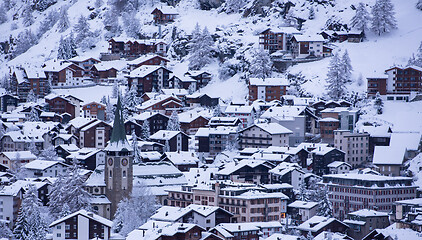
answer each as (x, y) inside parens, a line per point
(308, 38)
(42, 164)
(316, 223)
(288, 30)
(271, 128)
(303, 204)
(268, 82)
(337, 164)
(86, 214)
(145, 70)
(239, 109)
(158, 99)
(24, 155)
(145, 58)
(165, 135)
(219, 130)
(182, 158)
(168, 10)
(233, 167)
(83, 59)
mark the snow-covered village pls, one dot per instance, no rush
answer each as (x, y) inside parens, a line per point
(211, 119)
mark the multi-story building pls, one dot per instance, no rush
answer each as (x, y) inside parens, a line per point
(397, 83)
(322, 156)
(351, 192)
(267, 89)
(62, 73)
(327, 127)
(136, 47)
(275, 39)
(174, 140)
(246, 114)
(95, 110)
(307, 46)
(23, 80)
(347, 117)
(86, 63)
(164, 14)
(354, 145)
(95, 135)
(211, 141)
(148, 78)
(363, 221)
(263, 135)
(246, 171)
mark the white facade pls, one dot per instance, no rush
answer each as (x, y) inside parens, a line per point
(6, 208)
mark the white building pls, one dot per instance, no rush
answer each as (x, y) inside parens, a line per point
(45, 168)
(263, 135)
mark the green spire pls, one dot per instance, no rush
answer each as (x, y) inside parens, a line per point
(118, 134)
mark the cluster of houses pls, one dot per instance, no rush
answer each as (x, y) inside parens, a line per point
(232, 171)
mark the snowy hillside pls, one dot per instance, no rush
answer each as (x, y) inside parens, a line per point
(233, 34)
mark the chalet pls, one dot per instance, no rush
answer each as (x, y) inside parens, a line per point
(18, 141)
(149, 59)
(89, 158)
(174, 140)
(12, 160)
(338, 167)
(50, 117)
(65, 150)
(75, 125)
(317, 224)
(190, 122)
(101, 72)
(362, 222)
(182, 160)
(45, 168)
(136, 47)
(264, 135)
(277, 39)
(61, 73)
(248, 171)
(202, 78)
(212, 141)
(341, 36)
(302, 211)
(148, 78)
(60, 105)
(81, 225)
(164, 14)
(323, 156)
(285, 172)
(86, 63)
(224, 121)
(307, 46)
(184, 82)
(95, 134)
(157, 230)
(163, 104)
(95, 110)
(267, 89)
(8, 102)
(246, 114)
(202, 99)
(24, 80)
(156, 122)
(236, 231)
(64, 138)
(346, 116)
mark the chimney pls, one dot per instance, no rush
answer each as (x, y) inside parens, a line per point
(238, 227)
(90, 214)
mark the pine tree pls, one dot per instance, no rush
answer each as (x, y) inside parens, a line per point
(360, 80)
(49, 154)
(361, 19)
(31, 97)
(33, 115)
(383, 19)
(49, 21)
(3, 14)
(109, 111)
(65, 211)
(69, 189)
(136, 153)
(82, 29)
(133, 212)
(63, 23)
(33, 148)
(111, 24)
(201, 47)
(173, 124)
(131, 25)
(5, 231)
(296, 85)
(416, 60)
(31, 223)
(67, 48)
(336, 82)
(27, 17)
(166, 146)
(347, 67)
(131, 99)
(234, 6)
(378, 103)
(325, 207)
(145, 130)
(25, 40)
(115, 91)
(261, 64)
(311, 13)
(419, 5)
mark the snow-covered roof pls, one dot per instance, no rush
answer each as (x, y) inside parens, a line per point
(157, 175)
(145, 70)
(303, 204)
(175, 92)
(182, 158)
(168, 10)
(271, 128)
(69, 147)
(387, 155)
(288, 30)
(161, 230)
(368, 213)
(83, 59)
(331, 235)
(233, 167)
(145, 58)
(34, 73)
(328, 119)
(255, 194)
(56, 65)
(93, 124)
(90, 215)
(27, 137)
(410, 141)
(337, 164)
(415, 201)
(239, 109)
(189, 116)
(339, 110)
(107, 65)
(309, 38)
(169, 213)
(377, 131)
(164, 135)
(269, 82)
(366, 177)
(316, 223)
(322, 150)
(220, 130)
(152, 155)
(278, 236)
(97, 177)
(285, 111)
(19, 155)
(79, 122)
(157, 99)
(42, 164)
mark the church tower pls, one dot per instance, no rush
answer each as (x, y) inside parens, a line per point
(119, 162)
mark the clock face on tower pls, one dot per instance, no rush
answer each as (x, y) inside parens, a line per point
(124, 162)
(110, 161)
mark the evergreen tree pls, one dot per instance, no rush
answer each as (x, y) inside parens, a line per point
(378, 103)
(296, 82)
(145, 130)
(360, 80)
(416, 60)
(65, 211)
(311, 13)
(383, 19)
(201, 47)
(49, 21)
(63, 23)
(42, 5)
(67, 48)
(27, 17)
(261, 64)
(82, 29)
(419, 5)
(325, 207)
(69, 189)
(33, 148)
(234, 6)
(104, 100)
(335, 78)
(31, 223)
(115, 91)
(347, 67)
(131, 25)
(136, 153)
(49, 154)
(31, 97)
(131, 99)
(5, 231)
(173, 124)
(3, 14)
(109, 111)
(111, 24)
(361, 19)
(135, 211)
(167, 146)
(33, 116)
(25, 40)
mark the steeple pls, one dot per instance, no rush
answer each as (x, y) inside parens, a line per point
(118, 141)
